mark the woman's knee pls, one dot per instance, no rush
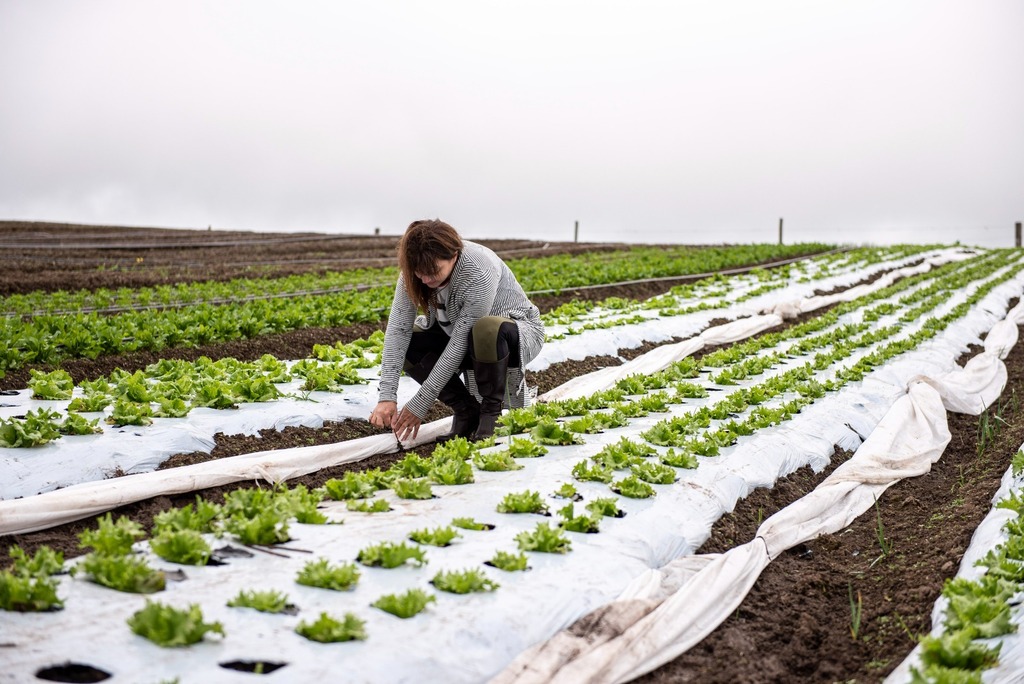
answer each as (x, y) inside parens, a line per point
(493, 338)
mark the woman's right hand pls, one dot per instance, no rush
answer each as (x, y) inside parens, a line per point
(383, 413)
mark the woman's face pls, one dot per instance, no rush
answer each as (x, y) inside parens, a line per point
(444, 271)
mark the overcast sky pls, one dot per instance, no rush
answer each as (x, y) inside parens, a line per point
(685, 121)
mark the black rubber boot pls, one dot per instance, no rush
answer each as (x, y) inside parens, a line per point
(490, 382)
(455, 395)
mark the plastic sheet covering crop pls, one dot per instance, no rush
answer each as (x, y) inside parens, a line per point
(471, 638)
(668, 611)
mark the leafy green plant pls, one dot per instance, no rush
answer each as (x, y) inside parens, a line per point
(181, 546)
(172, 408)
(171, 627)
(1017, 463)
(352, 485)
(302, 503)
(567, 491)
(418, 488)
(579, 523)
(509, 562)
(55, 385)
(525, 448)
(269, 601)
(36, 428)
(451, 470)
(110, 537)
(391, 555)
(517, 421)
(655, 473)
(439, 536)
(90, 402)
(471, 524)
(411, 467)
(633, 487)
(679, 459)
(320, 573)
(458, 448)
(124, 573)
(74, 424)
(979, 615)
(368, 506)
(43, 563)
(606, 506)
(130, 413)
(326, 629)
(405, 605)
(523, 502)
(598, 472)
(545, 539)
(623, 454)
(586, 424)
(549, 432)
(463, 581)
(26, 592)
(199, 516)
(264, 528)
(957, 651)
(496, 461)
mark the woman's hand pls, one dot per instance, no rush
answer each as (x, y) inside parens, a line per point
(383, 413)
(405, 423)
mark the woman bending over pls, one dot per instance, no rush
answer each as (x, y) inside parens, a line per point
(476, 320)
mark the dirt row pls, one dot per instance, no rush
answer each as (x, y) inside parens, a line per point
(58, 256)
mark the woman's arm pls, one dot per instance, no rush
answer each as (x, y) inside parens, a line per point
(396, 342)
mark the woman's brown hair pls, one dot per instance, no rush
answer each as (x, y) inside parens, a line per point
(424, 244)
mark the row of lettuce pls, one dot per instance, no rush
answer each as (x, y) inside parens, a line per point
(979, 612)
(172, 388)
(259, 517)
(73, 333)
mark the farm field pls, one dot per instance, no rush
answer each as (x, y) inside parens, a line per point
(795, 625)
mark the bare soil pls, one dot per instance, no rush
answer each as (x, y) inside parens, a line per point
(795, 626)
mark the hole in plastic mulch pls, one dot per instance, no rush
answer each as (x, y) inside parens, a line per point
(253, 666)
(72, 672)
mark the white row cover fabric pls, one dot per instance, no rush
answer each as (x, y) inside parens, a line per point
(19, 516)
(673, 608)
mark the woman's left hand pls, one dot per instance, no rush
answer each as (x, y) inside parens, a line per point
(405, 424)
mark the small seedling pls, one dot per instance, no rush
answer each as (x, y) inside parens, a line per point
(405, 605)
(170, 627)
(327, 629)
(320, 573)
(390, 555)
(463, 582)
(509, 562)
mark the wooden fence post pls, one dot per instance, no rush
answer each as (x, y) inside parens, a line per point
(780, 231)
